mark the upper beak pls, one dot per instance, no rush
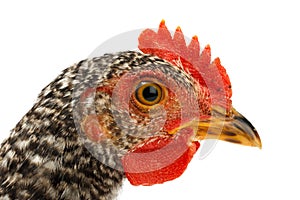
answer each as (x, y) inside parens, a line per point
(231, 127)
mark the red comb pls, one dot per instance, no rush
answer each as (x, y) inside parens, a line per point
(174, 50)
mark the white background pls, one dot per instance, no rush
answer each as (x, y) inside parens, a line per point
(257, 41)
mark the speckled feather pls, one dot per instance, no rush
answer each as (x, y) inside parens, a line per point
(47, 156)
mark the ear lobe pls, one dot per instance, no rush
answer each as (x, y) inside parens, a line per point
(89, 124)
(92, 128)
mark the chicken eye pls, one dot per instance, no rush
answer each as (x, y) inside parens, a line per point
(148, 93)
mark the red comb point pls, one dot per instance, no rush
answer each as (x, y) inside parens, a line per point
(178, 29)
(194, 48)
(179, 43)
(195, 37)
(205, 57)
(212, 75)
(217, 61)
(162, 23)
(164, 37)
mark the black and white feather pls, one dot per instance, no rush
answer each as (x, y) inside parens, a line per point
(46, 156)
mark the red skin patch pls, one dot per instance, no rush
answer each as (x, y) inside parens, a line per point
(159, 159)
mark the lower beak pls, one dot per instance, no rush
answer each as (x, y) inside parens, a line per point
(231, 127)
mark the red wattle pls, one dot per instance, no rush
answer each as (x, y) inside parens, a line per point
(159, 159)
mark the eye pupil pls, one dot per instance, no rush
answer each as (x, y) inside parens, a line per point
(150, 93)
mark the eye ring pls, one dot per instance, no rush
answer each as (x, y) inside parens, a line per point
(148, 93)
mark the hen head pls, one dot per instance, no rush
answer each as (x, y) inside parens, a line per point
(154, 107)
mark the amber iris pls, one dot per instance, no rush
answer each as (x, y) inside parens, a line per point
(148, 93)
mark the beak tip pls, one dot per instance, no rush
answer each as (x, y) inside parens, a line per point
(257, 140)
(259, 144)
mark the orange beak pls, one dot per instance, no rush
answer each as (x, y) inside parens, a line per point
(231, 127)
